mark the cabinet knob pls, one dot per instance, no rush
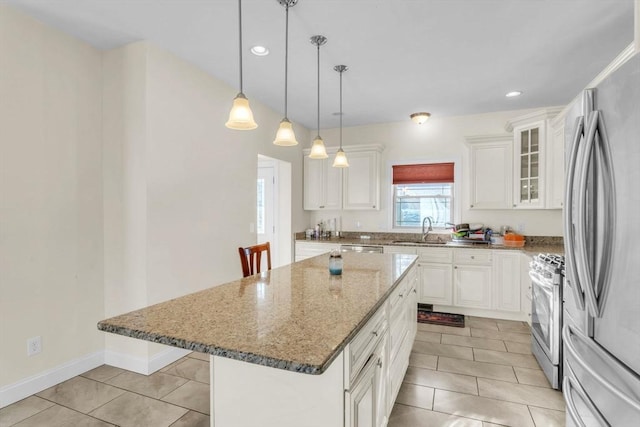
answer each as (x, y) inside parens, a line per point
(379, 363)
(473, 257)
(321, 207)
(470, 206)
(375, 333)
(456, 267)
(401, 296)
(415, 292)
(374, 206)
(514, 205)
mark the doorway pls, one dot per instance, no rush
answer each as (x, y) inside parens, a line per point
(273, 207)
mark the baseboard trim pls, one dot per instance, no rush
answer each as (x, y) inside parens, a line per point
(141, 365)
(43, 380)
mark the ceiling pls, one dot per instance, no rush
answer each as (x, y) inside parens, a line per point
(448, 57)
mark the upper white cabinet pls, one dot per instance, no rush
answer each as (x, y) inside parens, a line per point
(354, 188)
(322, 183)
(555, 164)
(361, 181)
(530, 152)
(491, 177)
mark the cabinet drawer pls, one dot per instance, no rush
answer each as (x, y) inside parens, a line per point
(398, 295)
(437, 255)
(365, 342)
(472, 256)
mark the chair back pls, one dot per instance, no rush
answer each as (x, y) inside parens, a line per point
(251, 257)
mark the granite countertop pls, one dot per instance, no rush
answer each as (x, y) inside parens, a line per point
(295, 317)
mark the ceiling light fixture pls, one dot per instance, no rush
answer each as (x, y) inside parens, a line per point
(318, 150)
(260, 51)
(240, 116)
(285, 135)
(420, 118)
(341, 159)
(513, 93)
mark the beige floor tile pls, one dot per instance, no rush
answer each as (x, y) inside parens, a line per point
(103, 373)
(520, 393)
(200, 356)
(192, 395)
(443, 350)
(193, 419)
(427, 361)
(134, 410)
(415, 395)
(193, 369)
(513, 326)
(173, 364)
(451, 330)
(477, 369)
(484, 343)
(25, 408)
(156, 385)
(81, 394)
(487, 424)
(428, 336)
(408, 416)
(517, 347)
(531, 377)
(503, 358)
(547, 417)
(59, 416)
(491, 410)
(481, 323)
(499, 335)
(443, 380)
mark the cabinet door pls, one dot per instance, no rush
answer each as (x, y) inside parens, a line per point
(506, 281)
(435, 284)
(361, 398)
(332, 186)
(313, 186)
(361, 186)
(555, 168)
(381, 383)
(529, 166)
(472, 285)
(491, 174)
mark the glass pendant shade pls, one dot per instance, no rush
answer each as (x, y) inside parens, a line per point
(341, 160)
(241, 117)
(318, 151)
(285, 136)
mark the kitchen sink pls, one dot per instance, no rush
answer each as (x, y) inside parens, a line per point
(419, 242)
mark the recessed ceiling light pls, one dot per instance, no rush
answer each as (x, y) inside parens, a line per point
(513, 93)
(260, 51)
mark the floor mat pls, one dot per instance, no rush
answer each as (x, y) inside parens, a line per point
(446, 319)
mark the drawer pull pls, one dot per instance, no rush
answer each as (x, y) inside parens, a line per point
(401, 296)
(473, 257)
(379, 363)
(415, 292)
(375, 333)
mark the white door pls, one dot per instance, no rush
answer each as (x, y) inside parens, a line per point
(265, 226)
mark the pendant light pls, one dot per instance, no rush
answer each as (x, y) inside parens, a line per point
(318, 151)
(341, 159)
(285, 136)
(240, 116)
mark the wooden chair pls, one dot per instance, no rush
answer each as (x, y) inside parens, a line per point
(251, 256)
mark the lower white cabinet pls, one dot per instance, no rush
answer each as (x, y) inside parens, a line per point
(472, 285)
(367, 397)
(308, 249)
(436, 283)
(506, 272)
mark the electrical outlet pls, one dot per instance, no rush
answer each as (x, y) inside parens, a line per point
(34, 346)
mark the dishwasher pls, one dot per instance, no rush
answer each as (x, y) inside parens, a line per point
(365, 249)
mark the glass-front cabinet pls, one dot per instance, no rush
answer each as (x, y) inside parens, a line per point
(528, 141)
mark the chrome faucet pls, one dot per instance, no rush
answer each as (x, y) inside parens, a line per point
(425, 233)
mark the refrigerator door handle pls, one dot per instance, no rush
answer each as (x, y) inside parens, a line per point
(568, 213)
(568, 334)
(569, 385)
(582, 257)
(606, 246)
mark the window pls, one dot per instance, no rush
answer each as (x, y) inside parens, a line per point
(420, 191)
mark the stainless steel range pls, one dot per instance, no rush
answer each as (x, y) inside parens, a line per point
(547, 273)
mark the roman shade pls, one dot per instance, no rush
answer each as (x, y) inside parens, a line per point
(430, 173)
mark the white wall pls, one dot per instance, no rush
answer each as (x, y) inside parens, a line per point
(180, 188)
(441, 138)
(51, 247)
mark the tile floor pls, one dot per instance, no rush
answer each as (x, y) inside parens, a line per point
(482, 375)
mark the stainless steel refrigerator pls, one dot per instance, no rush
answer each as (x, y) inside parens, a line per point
(601, 326)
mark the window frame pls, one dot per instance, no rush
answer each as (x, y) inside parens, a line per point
(456, 193)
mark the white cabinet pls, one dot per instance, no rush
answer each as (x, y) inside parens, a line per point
(308, 249)
(399, 250)
(322, 184)
(506, 280)
(491, 176)
(354, 188)
(531, 137)
(555, 164)
(472, 284)
(362, 397)
(525, 285)
(435, 285)
(361, 181)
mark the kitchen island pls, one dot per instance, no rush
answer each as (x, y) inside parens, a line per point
(295, 345)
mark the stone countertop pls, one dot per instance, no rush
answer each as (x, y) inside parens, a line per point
(533, 248)
(296, 317)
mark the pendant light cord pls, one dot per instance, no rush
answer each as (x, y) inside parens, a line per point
(341, 110)
(318, 88)
(240, 37)
(286, 57)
